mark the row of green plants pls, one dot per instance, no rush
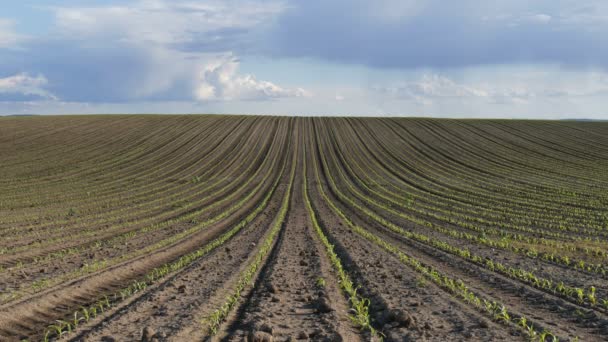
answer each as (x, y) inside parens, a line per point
(457, 287)
(213, 321)
(101, 264)
(544, 174)
(148, 190)
(462, 194)
(106, 217)
(118, 164)
(359, 305)
(412, 201)
(556, 150)
(527, 188)
(73, 144)
(524, 215)
(183, 204)
(153, 225)
(575, 294)
(481, 238)
(84, 314)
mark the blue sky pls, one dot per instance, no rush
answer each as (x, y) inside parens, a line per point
(512, 59)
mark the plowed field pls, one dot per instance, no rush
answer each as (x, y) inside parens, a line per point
(231, 228)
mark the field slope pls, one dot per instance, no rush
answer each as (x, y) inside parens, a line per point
(185, 228)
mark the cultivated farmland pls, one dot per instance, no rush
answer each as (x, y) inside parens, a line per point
(187, 228)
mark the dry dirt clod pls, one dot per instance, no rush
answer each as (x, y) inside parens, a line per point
(323, 305)
(315, 334)
(302, 335)
(148, 335)
(272, 288)
(403, 319)
(259, 336)
(267, 328)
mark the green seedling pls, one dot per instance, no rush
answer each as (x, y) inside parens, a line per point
(503, 315)
(420, 282)
(545, 335)
(580, 293)
(320, 282)
(591, 296)
(86, 313)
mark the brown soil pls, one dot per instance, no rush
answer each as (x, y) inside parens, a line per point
(288, 301)
(116, 175)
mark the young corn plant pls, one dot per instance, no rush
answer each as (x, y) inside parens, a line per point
(580, 293)
(76, 320)
(500, 313)
(214, 320)
(320, 282)
(359, 305)
(591, 296)
(56, 328)
(503, 315)
(93, 311)
(86, 313)
(547, 336)
(157, 273)
(360, 312)
(522, 322)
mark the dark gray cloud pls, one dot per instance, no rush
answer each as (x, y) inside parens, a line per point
(444, 34)
(163, 50)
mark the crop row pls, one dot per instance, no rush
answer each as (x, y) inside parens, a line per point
(214, 320)
(495, 310)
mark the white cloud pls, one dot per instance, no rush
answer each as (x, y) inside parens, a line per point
(430, 87)
(433, 87)
(168, 22)
(339, 97)
(26, 85)
(518, 19)
(540, 18)
(172, 47)
(8, 37)
(220, 81)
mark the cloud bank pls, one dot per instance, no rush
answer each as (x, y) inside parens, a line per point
(445, 34)
(431, 88)
(335, 55)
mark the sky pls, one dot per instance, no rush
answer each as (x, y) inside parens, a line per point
(542, 59)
